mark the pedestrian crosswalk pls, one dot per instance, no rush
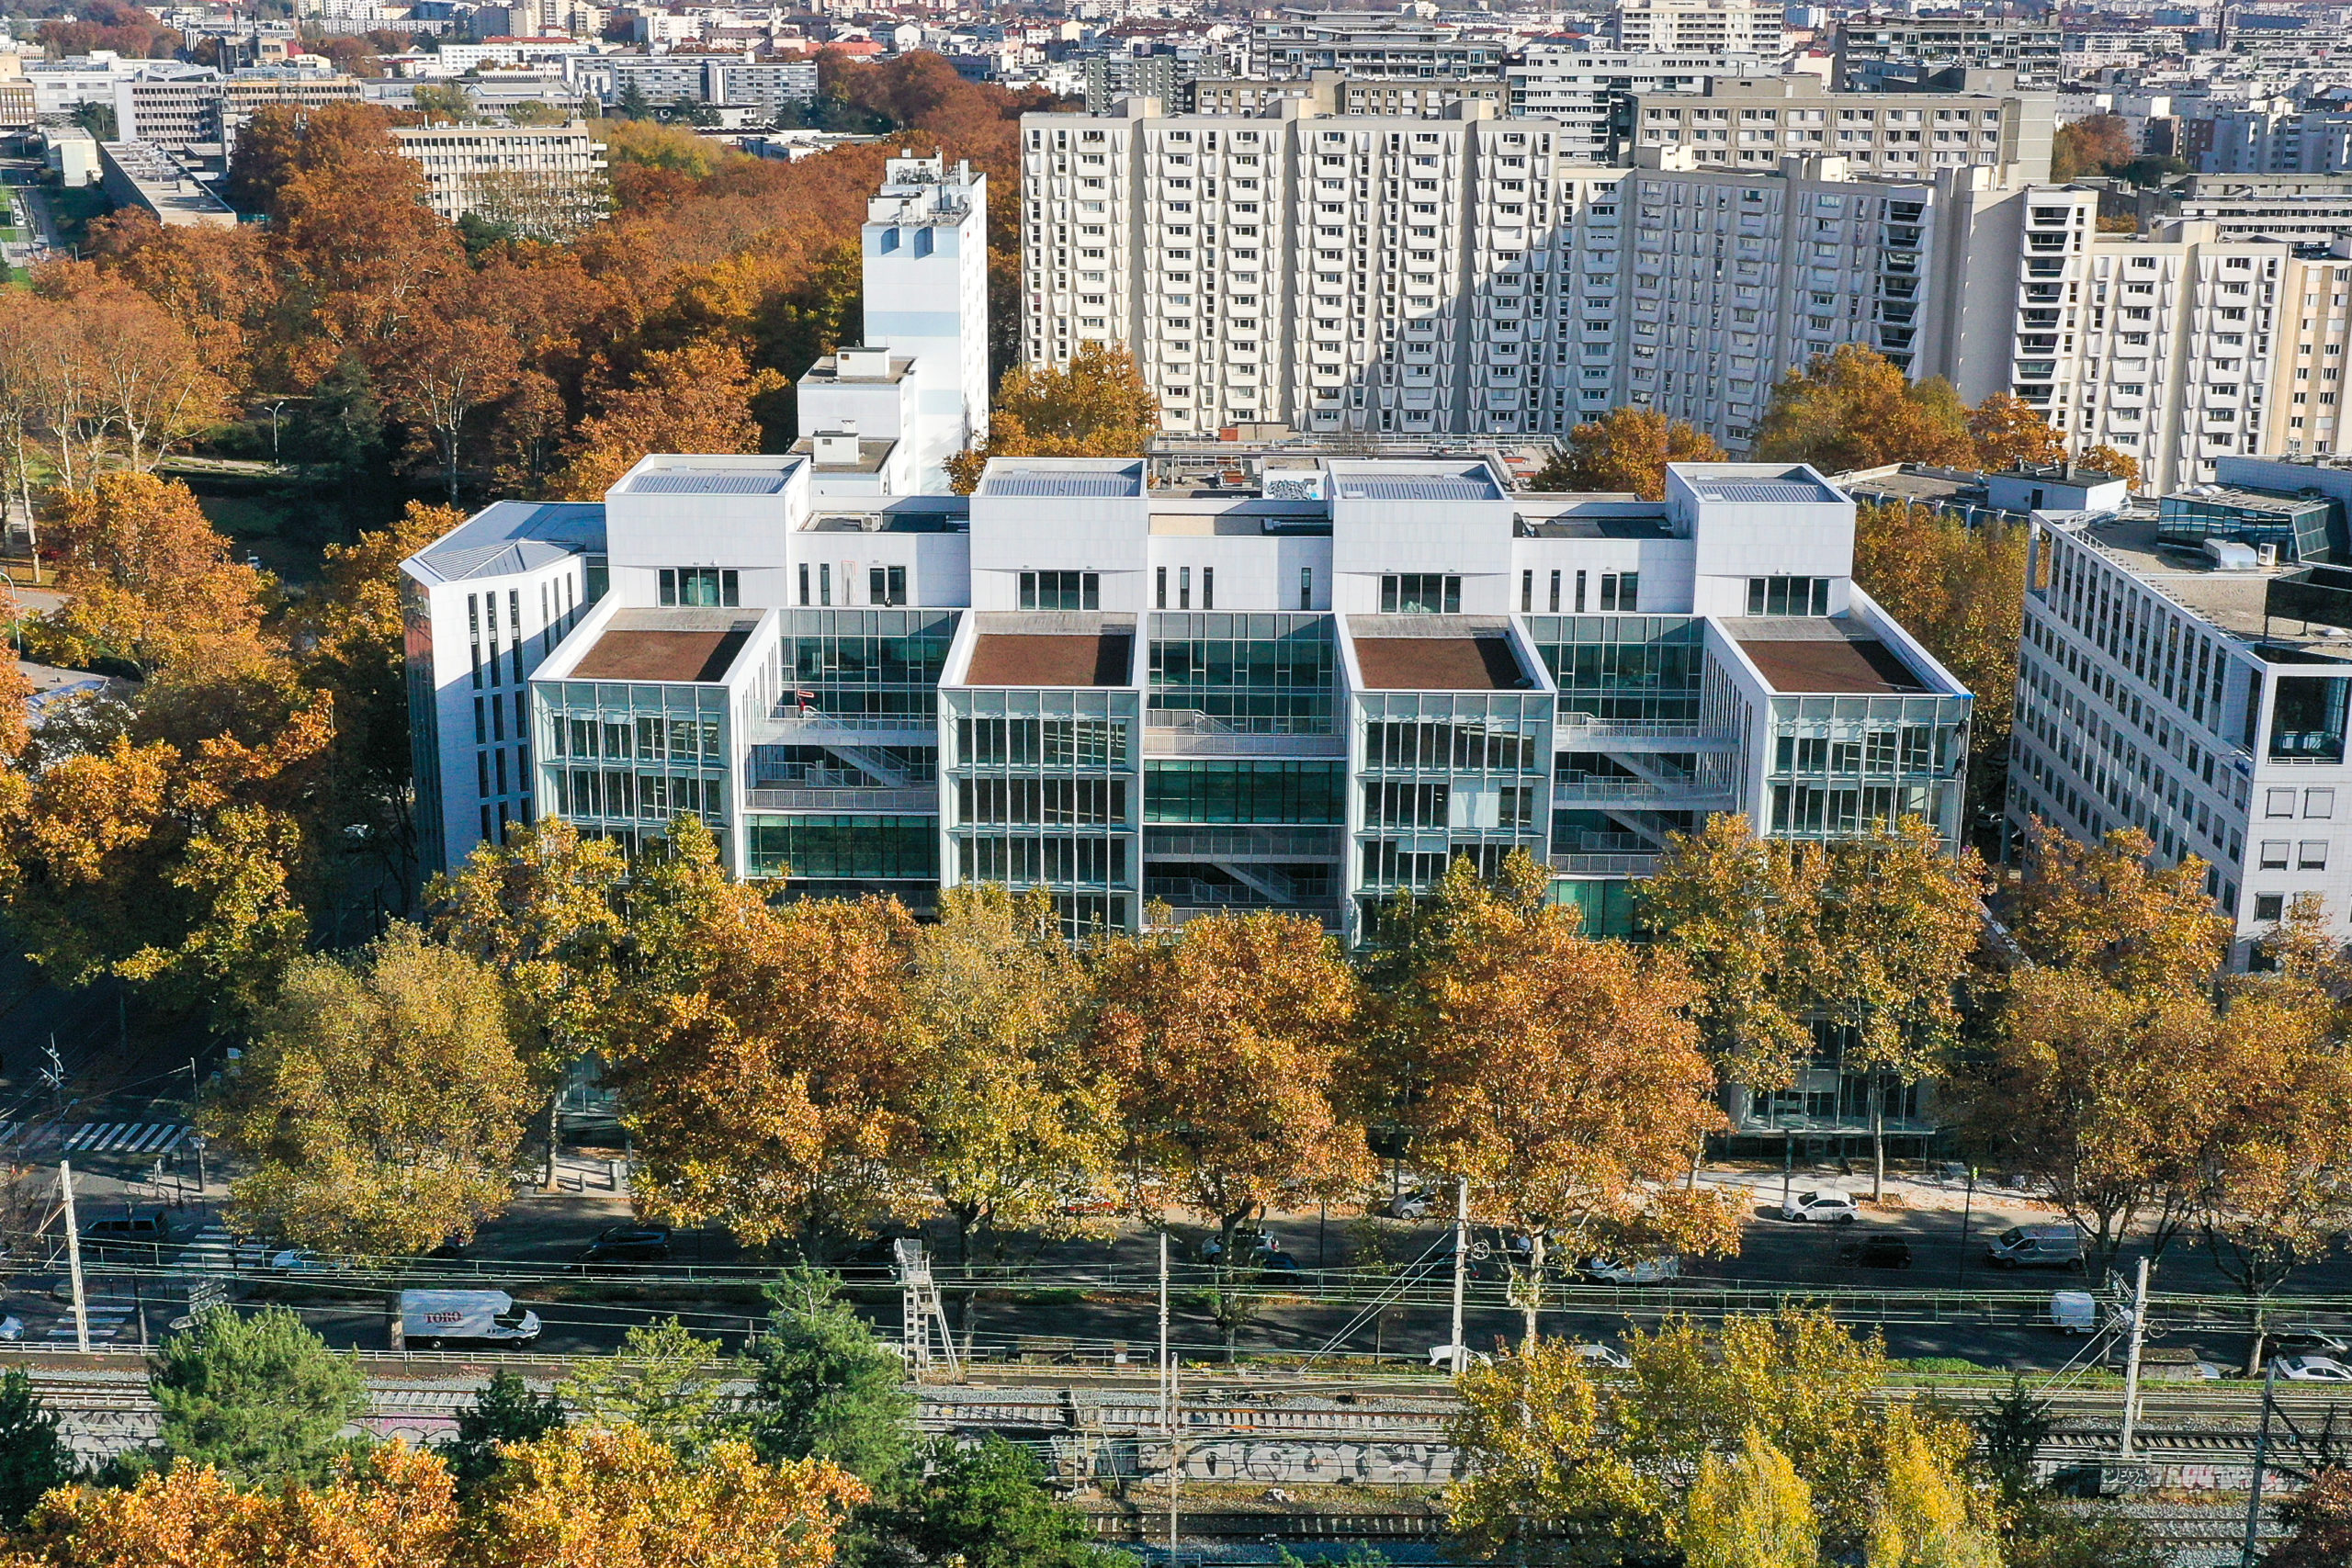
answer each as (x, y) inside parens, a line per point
(210, 1249)
(149, 1138)
(105, 1322)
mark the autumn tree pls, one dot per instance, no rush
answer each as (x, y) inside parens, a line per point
(2321, 1518)
(765, 1054)
(379, 1107)
(1961, 590)
(1754, 1511)
(259, 1398)
(1852, 409)
(146, 578)
(2103, 1076)
(2096, 144)
(617, 1498)
(454, 359)
(1900, 920)
(1097, 406)
(217, 283)
(694, 399)
(124, 382)
(388, 1507)
(1009, 1125)
(1626, 449)
(1224, 1039)
(1741, 911)
(2009, 431)
(505, 1411)
(2105, 459)
(1924, 1514)
(1549, 1444)
(1564, 1080)
(545, 910)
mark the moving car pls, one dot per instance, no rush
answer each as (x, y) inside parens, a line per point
(430, 1319)
(1878, 1252)
(2036, 1246)
(302, 1260)
(1442, 1356)
(2313, 1342)
(2074, 1312)
(1821, 1208)
(12, 1329)
(1642, 1272)
(629, 1243)
(1601, 1358)
(2311, 1369)
(126, 1234)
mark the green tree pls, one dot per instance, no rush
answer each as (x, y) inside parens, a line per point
(826, 1388)
(1923, 1515)
(506, 1411)
(1625, 449)
(2010, 1431)
(261, 1398)
(35, 1458)
(2041, 1536)
(381, 1104)
(668, 1381)
(1752, 1512)
(988, 1507)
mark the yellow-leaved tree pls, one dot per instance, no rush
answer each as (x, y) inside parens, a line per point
(1753, 1511)
(1625, 449)
(1097, 406)
(1922, 1514)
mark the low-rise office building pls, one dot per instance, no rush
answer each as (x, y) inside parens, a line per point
(543, 180)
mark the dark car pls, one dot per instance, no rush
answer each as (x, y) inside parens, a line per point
(1878, 1252)
(1277, 1264)
(629, 1243)
(127, 1235)
(2312, 1342)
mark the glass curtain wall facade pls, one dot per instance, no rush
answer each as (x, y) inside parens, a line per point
(1044, 789)
(1244, 674)
(1842, 766)
(1445, 776)
(622, 758)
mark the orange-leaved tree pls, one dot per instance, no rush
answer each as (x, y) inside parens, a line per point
(1097, 406)
(2008, 431)
(1625, 449)
(1563, 1077)
(1852, 409)
(695, 399)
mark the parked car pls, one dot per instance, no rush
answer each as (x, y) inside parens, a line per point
(1408, 1206)
(126, 1233)
(1277, 1263)
(1641, 1271)
(302, 1260)
(1601, 1358)
(12, 1329)
(2312, 1368)
(629, 1243)
(1821, 1208)
(1442, 1356)
(2312, 1342)
(2036, 1246)
(1878, 1252)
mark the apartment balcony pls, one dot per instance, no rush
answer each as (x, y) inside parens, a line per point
(1242, 842)
(1170, 734)
(1605, 865)
(1694, 794)
(1584, 731)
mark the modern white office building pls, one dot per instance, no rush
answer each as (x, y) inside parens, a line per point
(2186, 670)
(484, 606)
(1304, 696)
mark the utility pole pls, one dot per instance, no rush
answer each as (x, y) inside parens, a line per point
(2261, 1460)
(1167, 1398)
(1788, 1165)
(2132, 1359)
(73, 1258)
(1967, 1212)
(1461, 1269)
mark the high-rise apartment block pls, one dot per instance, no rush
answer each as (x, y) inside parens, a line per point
(2030, 50)
(1306, 695)
(2186, 670)
(1696, 27)
(1298, 43)
(1590, 93)
(1735, 123)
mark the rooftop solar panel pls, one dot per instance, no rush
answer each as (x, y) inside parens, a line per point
(1041, 484)
(1774, 493)
(707, 481)
(1424, 488)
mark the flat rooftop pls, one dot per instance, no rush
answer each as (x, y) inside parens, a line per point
(1405, 479)
(1473, 662)
(1047, 659)
(1593, 516)
(2231, 601)
(1814, 657)
(1758, 484)
(871, 455)
(712, 475)
(698, 645)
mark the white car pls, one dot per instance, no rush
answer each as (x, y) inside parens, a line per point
(12, 1328)
(1408, 1206)
(1821, 1208)
(1442, 1356)
(1642, 1272)
(2311, 1369)
(302, 1260)
(1601, 1358)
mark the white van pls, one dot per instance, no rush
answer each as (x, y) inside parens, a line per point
(2036, 1246)
(430, 1319)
